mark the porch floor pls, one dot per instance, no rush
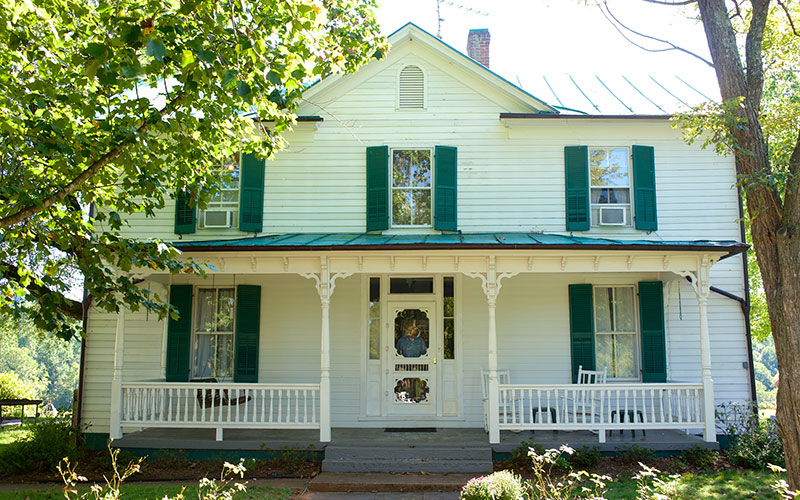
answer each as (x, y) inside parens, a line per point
(275, 439)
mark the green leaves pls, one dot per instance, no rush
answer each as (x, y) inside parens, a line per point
(156, 50)
(159, 89)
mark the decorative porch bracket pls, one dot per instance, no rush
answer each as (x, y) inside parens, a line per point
(701, 285)
(325, 284)
(491, 282)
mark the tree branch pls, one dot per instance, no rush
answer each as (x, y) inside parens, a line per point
(71, 308)
(788, 17)
(664, 2)
(617, 24)
(93, 169)
(753, 57)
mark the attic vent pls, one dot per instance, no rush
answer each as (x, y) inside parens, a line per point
(412, 88)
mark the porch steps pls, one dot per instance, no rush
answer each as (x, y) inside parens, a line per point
(385, 482)
(405, 458)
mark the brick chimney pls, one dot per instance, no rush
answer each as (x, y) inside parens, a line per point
(478, 45)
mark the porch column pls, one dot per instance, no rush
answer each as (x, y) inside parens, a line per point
(115, 430)
(491, 287)
(325, 286)
(701, 288)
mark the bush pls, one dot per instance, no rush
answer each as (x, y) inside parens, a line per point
(584, 457)
(635, 454)
(700, 456)
(11, 387)
(758, 447)
(47, 443)
(503, 485)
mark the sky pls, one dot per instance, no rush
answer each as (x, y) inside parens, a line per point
(570, 44)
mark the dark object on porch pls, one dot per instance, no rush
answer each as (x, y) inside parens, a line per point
(630, 415)
(410, 429)
(217, 397)
(19, 402)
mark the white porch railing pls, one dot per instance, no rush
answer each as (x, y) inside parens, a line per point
(601, 407)
(218, 405)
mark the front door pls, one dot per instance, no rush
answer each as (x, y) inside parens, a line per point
(413, 344)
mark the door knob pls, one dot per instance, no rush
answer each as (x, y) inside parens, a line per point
(434, 361)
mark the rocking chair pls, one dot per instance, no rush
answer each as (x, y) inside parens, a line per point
(208, 398)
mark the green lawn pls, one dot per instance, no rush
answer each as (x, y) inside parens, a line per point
(133, 491)
(713, 486)
(10, 433)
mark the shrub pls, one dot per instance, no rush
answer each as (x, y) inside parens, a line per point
(700, 456)
(48, 441)
(584, 457)
(635, 454)
(503, 485)
(568, 487)
(758, 447)
(12, 387)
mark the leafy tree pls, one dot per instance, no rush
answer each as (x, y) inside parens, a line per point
(122, 105)
(755, 52)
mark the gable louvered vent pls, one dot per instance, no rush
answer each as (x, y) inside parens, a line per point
(412, 88)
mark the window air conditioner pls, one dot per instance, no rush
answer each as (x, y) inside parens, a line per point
(217, 218)
(612, 216)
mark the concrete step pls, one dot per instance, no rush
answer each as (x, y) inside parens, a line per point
(409, 452)
(383, 482)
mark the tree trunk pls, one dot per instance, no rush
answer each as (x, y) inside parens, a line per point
(775, 223)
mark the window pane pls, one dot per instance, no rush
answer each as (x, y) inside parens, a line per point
(611, 195)
(603, 308)
(616, 353)
(206, 307)
(422, 207)
(449, 338)
(402, 202)
(225, 310)
(374, 289)
(410, 285)
(411, 168)
(213, 356)
(623, 298)
(412, 333)
(609, 167)
(375, 338)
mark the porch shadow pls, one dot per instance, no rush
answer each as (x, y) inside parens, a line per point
(308, 440)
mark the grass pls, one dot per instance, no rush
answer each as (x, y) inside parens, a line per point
(727, 485)
(133, 491)
(10, 434)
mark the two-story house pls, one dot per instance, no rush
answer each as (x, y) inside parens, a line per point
(438, 249)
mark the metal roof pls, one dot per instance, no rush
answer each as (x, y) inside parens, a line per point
(453, 241)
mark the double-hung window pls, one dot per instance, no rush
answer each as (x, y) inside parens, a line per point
(615, 331)
(411, 187)
(610, 193)
(223, 208)
(213, 345)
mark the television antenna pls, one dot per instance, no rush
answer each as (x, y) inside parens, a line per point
(451, 3)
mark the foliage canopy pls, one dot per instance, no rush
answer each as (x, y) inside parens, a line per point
(123, 104)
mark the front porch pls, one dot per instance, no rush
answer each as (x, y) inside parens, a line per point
(368, 385)
(308, 440)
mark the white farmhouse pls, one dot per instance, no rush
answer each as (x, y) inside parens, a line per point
(438, 250)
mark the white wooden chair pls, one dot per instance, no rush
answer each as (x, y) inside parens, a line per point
(503, 377)
(587, 407)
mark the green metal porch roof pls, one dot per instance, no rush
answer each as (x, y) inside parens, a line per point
(453, 241)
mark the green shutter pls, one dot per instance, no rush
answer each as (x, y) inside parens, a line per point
(179, 334)
(654, 345)
(184, 214)
(644, 187)
(581, 327)
(248, 319)
(378, 188)
(444, 215)
(576, 168)
(251, 200)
